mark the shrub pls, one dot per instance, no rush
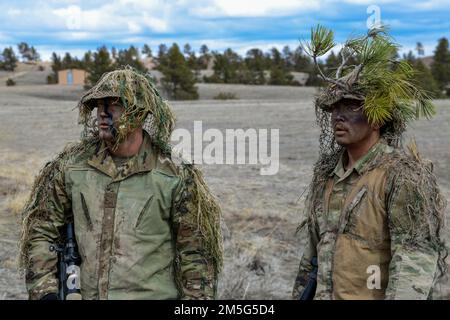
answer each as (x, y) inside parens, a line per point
(10, 82)
(51, 79)
(226, 96)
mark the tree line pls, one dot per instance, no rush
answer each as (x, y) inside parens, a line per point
(9, 59)
(181, 68)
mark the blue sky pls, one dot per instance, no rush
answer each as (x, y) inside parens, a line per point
(77, 26)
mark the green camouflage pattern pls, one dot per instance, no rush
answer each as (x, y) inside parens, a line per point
(133, 226)
(412, 241)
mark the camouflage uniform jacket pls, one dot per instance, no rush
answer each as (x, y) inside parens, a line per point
(130, 229)
(360, 233)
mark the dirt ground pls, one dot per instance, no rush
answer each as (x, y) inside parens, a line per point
(260, 213)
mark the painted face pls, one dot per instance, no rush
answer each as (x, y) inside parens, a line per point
(109, 111)
(350, 125)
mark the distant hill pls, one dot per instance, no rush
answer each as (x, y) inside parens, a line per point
(27, 74)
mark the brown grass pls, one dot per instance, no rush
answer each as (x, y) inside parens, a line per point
(18, 172)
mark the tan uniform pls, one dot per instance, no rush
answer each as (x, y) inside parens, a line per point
(362, 234)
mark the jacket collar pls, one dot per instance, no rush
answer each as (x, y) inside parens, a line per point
(143, 161)
(362, 164)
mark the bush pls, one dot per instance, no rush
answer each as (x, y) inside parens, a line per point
(225, 96)
(51, 79)
(10, 82)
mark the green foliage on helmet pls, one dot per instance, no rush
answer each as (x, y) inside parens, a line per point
(386, 86)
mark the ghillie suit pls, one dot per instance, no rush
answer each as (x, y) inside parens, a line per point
(153, 218)
(413, 205)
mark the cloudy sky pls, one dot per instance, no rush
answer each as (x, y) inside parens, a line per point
(76, 25)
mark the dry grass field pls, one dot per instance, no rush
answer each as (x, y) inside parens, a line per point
(260, 213)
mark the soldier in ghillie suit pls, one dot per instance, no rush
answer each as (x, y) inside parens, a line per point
(146, 224)
(374, 212)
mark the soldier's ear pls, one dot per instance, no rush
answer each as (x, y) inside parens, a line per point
(375, 126)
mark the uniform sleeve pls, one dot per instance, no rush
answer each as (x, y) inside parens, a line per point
(42, 220)
(196, 267)
(305, 262)
(415, 238)
(312, 239)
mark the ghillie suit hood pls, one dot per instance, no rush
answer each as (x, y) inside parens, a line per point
(144, 107)
(385, 86)
(390, 98)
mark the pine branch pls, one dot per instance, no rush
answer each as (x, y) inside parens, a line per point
(325, 78)
(344, 62)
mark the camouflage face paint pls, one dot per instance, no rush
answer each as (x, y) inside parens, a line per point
(108, 115)
(349, 123)
(112, 129)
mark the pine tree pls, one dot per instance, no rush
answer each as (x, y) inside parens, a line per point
(67, 61)
(256, 63)
(87, 60)
(190, 57)
(205, 57)
(425, 79)
(101, 63)
(56, 66)
(288, 58)
(130, 57)
(420, 49)
(279, 74)
(187, 50)
(162, 54)
(147, 51)
(8, 61)
(178, 80)
(114, 53)
(56, 62)
(423, 76)
(29, 54)
(410, 58)
(300, 61)
(226, 67)
(441, 65)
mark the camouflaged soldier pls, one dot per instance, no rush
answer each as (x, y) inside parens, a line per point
(375, 214)
(147, 227)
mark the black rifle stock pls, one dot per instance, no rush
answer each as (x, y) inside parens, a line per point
(310, 288)
(68, 266)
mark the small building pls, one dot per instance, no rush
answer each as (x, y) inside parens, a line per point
(72, 77)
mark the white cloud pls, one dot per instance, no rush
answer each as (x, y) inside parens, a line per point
(13, 12)
(371, 2)
(253, 8)
(133, 27)
(410, 5)
(72, 16)
(156, 24)
(433, 4)
(120, 16)
(75, 35)
(125, 22)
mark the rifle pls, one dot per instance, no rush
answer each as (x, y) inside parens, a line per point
(68, 266)
(310, 288)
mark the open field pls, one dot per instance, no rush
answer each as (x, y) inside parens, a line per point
(260, 212)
